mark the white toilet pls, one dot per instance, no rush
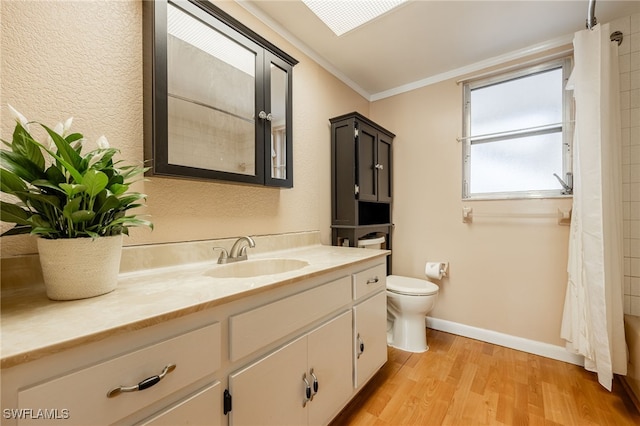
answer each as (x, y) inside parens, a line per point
(409, 300)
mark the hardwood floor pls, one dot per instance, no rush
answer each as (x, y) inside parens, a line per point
(462, 381)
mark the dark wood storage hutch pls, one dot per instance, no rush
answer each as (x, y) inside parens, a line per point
(361, 174)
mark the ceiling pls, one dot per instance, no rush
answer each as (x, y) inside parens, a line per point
(424, 41)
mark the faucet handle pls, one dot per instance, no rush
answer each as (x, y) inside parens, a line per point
(223, 254)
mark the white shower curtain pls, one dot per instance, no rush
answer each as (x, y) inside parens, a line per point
(592, 322)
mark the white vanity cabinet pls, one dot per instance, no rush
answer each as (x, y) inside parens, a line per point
(310, 377)
(305, 382)
(293, 353)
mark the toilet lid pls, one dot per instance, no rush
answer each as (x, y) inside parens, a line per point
(411, 286)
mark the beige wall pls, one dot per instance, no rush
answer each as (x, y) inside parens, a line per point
(506, 274)
(84, 59)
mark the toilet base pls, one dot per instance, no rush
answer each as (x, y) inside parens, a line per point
(409, 334)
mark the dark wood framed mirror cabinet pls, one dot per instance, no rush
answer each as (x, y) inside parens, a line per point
(217, 97)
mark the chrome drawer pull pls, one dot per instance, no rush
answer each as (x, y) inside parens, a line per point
(145, 384)
(373, 280)
(307, 390)
(360, 349)
(316, 385)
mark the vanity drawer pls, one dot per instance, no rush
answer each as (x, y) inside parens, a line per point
(259, 327)
(203, 408)
(80, 397)
(369, 281)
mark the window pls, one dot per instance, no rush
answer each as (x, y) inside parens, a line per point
(517, 134)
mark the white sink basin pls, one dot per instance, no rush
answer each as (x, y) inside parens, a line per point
(255, 268)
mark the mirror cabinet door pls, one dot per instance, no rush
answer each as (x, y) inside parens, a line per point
(279, 133)
(211, 82)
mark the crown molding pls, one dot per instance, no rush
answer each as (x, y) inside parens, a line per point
(372, 97)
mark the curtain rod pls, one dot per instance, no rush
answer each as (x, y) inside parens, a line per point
(591, 15)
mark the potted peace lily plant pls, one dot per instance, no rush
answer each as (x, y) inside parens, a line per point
(75, 203)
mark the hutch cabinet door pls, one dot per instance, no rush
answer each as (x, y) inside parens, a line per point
(384, 168)
(367, 161)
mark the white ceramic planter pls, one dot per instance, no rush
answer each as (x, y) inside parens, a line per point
(78, 268)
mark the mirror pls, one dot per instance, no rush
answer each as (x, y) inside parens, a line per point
(279, 83)
(211, 121)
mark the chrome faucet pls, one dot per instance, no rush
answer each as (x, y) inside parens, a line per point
(238, 250)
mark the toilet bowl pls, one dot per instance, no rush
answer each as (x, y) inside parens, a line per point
(409, 300)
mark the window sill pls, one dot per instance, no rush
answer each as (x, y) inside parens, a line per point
(503, 197)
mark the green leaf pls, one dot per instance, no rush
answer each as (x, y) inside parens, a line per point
(101, 158)
(55, 175)
(45, 232)
(20, 166)
(65, 150)
(116, 180)
(7, 144)
(73, 137)
(110, 203)
(43, 183)
(37, 200)
(92, 234)
(95, 181)
(17, 230)
(131, 198)
(129, 172)
(127, 221)
(73, 170)
(72, 206)
(14, 214)
(26, 146)
(72, 189)
(37, 221)
(118, 188)
(82, 216)
(10, 182)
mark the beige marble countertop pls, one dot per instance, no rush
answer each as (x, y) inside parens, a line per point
(32, 326)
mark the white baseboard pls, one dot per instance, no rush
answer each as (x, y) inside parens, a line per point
(525, 345)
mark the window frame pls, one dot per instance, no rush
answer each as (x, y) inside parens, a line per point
(566, 64)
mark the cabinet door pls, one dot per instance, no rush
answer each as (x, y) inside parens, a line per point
(271, 391)
(343, 173)
(203, 408)
(330, 361)
(367, 158)
(277, 123)
(370, 336)
(384, 168)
